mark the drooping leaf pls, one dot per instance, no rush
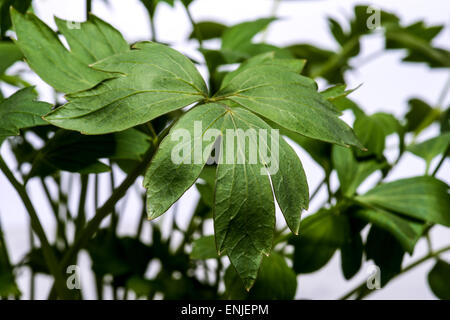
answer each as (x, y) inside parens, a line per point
(407, 231)
(351, 172)
(387, 253)
(423, 198)
(418, 114)
(431, 148)
(320, 236)
(130, 144)
(352, 250)
(204, 248)
(66, 71)
(21, 111)
(439, 279)
(286, 98)
(141, 91)
(276, 281)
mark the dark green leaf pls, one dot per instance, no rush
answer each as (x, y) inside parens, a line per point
(439, 280)
(208, 30)
(276, 281)
(321, 235)
(9, 53)
(386, 252)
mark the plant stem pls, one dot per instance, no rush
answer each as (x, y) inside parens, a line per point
(47, 250)
(194, 26)
(88, 8)
(444, 156)
(102, 212)
(443, 94)
(412, 265)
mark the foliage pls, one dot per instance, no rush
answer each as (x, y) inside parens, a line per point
(124, 108)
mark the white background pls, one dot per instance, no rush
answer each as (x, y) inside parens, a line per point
(387, 85)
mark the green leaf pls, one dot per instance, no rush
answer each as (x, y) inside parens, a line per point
(66, 71)
(288, 99)
(73, 152)
(94, 40)
(431, 148)
(131, 144)
(208, 30)
(352, 251)
(439, 278)
(21, 111)
(351, 172)
(204, 248)
(423, 198)
(407, 231)
(418, 112)
(141, 91)
(276, 281)
(165, 180)
(9, 53)
(372, 132)
(321, 235)
(235, 208)
(416, 39)
(242, 34)
(387, 253)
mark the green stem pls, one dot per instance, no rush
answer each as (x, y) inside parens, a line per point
(47, 250)
(444, 156)
(88, 8)
(414, 264)
(194, 26)
(102, 212)
(444, 93)
(81, 215)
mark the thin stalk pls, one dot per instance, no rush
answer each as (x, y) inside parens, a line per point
(444, 156)
(81, 215)
(47, 250)
(444, 93)
(414, 264)
(102, 212)
(32, 276)
(197, 31)
(88, 8)
(273, 13)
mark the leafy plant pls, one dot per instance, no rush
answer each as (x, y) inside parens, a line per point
(131, 105)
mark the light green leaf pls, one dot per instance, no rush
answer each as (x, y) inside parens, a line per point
(276, 281)
(142, 90)
(21, 111)
(407, 231)
(204, 248)
(287, 99)
(9, 53)
(423, 198)
(352, 173)
(242, 34)
(431, 148)
(66, 71)
(439, 279)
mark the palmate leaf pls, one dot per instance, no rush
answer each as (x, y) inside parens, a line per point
(67, 71)
(244, 211)
(288, 99)
(142, 90)
(21, 111)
